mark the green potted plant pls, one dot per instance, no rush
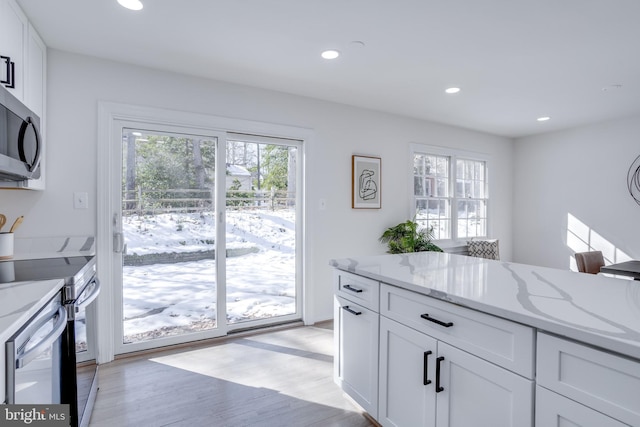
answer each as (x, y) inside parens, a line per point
(408, 237)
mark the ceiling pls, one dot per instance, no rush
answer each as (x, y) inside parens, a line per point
(515, 60)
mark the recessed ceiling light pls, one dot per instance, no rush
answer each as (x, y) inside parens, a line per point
(543, 118)
(330, 54)
(452, 90)
(131, 4)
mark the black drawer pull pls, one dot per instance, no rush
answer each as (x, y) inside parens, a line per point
(439, 322)
(352, 289)
(438, 361)
(425, 379)
(357, 313)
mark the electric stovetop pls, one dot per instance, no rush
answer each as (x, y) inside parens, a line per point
(72, 269)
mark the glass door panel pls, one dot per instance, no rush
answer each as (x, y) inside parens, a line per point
(261, 231)
(168, 227)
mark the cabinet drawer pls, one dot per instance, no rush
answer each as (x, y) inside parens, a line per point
(499, 341)
(600, 380)
(553, 410)
(361, 290)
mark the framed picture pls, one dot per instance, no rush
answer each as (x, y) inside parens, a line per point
(365, 182)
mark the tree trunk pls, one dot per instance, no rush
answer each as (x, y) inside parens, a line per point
(130, 177)
(291, 175)
(199, 166)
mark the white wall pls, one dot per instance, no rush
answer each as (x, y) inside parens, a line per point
(571, 194)
(77, 83)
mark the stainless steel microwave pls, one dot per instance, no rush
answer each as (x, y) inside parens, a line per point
(20, 140)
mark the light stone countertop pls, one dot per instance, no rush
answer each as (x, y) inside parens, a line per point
(595, 309)
(21, 300)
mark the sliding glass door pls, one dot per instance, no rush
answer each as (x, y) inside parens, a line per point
(207, 237)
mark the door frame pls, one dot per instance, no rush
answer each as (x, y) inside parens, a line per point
(110, 114)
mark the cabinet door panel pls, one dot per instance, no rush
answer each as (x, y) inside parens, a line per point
(604, 381)
(480, 393)
(12, 44)
(553, 410)
(404, 398)
(356, 369)
(34, 90)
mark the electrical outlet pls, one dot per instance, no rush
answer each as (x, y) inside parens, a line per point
(80, 200)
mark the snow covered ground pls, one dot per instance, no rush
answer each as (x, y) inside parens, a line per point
(168, 299)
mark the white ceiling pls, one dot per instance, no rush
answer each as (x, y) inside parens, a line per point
(515, 60)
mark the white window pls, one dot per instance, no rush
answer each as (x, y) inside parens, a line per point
(449, 192)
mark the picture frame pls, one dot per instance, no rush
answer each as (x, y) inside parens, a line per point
(366, 173)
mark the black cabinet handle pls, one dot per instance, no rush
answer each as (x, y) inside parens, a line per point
(357, 313)
(10, 82)
(352, 289)
(438, 387)
(425, 379)
(439, 322)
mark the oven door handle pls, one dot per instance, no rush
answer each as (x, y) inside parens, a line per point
(24, 358)
(92, 296)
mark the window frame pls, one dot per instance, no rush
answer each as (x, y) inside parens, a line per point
(453, 155)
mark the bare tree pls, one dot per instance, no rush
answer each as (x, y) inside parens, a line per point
(291, 173)
(198, 164)
(130, 174)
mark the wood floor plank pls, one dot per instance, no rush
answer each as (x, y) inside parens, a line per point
(279, 378)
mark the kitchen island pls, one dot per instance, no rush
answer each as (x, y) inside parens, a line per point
(442, 339)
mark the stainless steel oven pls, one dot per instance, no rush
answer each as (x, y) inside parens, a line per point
(34, 357)
(81, 368)
(78, 365)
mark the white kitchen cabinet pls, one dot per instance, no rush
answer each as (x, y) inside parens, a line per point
(427, 382)
(505, 343)
(478, 393)
(553, 410)
(35, 96)
(356, 352)
(20, 41)
(35, 75)
(407, 376)
(14, 28)
(604, 381)
(361, 290)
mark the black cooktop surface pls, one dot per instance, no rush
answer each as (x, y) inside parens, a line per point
(44, 269)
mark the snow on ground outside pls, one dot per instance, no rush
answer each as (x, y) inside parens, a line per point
(164, 299)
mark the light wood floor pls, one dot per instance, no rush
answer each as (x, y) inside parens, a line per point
(277, 378)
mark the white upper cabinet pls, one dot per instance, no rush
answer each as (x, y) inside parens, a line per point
(24, 66)
(14, 28)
